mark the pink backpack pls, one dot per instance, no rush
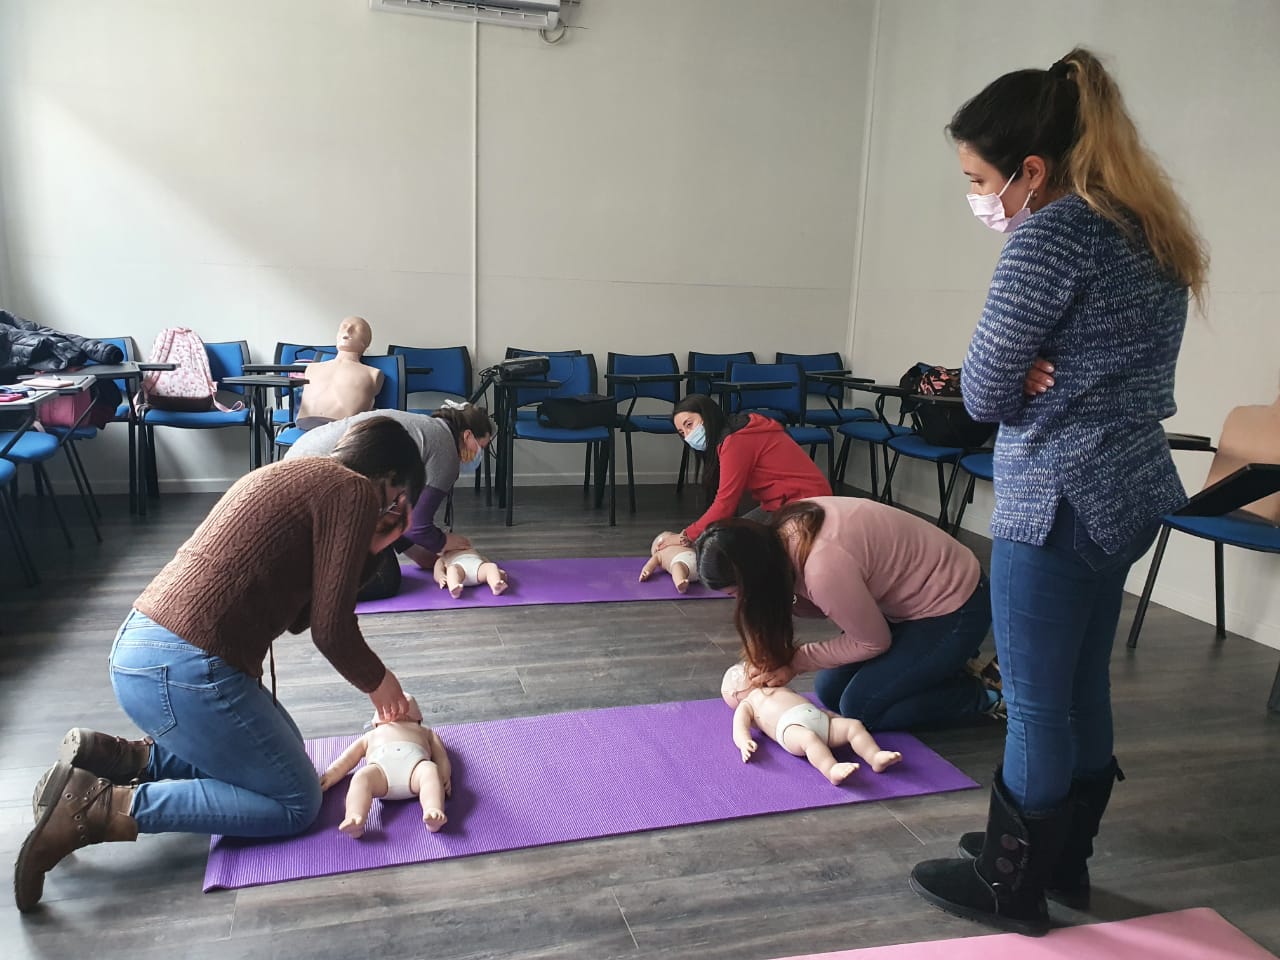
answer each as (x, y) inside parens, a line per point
(189, 387)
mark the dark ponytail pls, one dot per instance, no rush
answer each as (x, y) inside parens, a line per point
(1074, 117)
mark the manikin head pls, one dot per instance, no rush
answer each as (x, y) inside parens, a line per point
(734, 687)
(413, 716)
(354, 335)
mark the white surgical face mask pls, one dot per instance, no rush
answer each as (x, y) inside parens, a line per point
(697, 438)
(989, 208)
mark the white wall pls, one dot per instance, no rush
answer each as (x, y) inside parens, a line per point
(672, 176)
(1200, 79)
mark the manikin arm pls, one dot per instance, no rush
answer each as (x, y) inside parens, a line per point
(345, 763)
(743, 717)
(440, 757)
(653, 564)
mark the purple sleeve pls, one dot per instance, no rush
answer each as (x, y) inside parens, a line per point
(422, 524)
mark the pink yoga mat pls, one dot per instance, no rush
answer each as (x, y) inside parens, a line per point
(1198, 934)
(620, 770)
(571, 580)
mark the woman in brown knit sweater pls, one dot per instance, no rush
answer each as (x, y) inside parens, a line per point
(286, 548)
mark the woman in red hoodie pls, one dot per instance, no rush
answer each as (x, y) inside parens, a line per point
(742, 453)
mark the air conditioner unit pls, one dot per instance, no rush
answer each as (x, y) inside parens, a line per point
(530, 14)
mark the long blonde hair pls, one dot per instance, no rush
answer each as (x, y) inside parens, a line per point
(1074, 116)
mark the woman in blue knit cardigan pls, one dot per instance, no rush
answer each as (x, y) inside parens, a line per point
(1074, 358)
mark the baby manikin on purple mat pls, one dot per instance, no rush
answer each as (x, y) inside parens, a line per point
(560, 580)
(532, 781)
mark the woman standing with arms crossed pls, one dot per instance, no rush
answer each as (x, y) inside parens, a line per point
(1074, 357)
(285, 548)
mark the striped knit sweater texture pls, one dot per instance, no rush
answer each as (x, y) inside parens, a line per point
(1070, 287)
(284, 548)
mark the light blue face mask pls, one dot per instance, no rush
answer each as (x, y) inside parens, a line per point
(697, 438)
(472, 465)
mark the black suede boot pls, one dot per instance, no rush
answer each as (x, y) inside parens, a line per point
(1004, 886)
(1087, 801)
(1069, 880)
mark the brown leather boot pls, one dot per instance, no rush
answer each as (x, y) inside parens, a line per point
(114, 758)
(77, 809)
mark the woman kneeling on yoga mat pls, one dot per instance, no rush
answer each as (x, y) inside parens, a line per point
(452, 441)
(286, 547)
(912, 603)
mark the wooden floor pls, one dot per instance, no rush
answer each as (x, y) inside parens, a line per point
(1197, 822)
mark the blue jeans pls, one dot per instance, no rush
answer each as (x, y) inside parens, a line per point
(920, 680)
(1055, 608)
(227, 759)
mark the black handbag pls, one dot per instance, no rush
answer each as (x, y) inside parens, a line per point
(578, 413)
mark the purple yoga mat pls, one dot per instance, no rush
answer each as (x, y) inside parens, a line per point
(620, 770)
(572, 580)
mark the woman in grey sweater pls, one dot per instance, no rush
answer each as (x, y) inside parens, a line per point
(452, 440)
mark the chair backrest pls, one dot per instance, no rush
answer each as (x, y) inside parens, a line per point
(576, 374)
(646, 363)
(129, 347)
(393, 395)
(450, 369)
(715, 364)
(816, 363)
(788, 401)
(227, 359)
(522, 352)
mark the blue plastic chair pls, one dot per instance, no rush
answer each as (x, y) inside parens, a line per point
(450, 377)
(576, 375)
(785, 404)
(392, 396)
(664, 390)
(943, 433)
(979, 466)
(1213, 515)
(226, 359)
(831, 413)
(35, 448)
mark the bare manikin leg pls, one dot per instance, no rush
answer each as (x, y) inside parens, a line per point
(494, 576)
(680, 576)
(425, 782)
(801, 739)
(367, 782)
(844, 730)
(455, 575)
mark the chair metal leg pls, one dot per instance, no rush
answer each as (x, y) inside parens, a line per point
(842, 461)
(75, 452)
(631, 473)
(1273, 701)
(509, 480)
(25, 561)
(964, 502)
(43, 477)
(684, 467)
(831, 464)
(613, 482)
(1219, 592)
(586, 469)
(946, 494)
(153, 477)
(887, 494)
(1161, 542)
(84, 497)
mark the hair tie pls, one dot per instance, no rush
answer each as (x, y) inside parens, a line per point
(454, 405)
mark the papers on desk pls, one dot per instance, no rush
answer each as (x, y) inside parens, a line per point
(54, 382)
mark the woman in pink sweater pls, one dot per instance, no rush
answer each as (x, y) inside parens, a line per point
(912, 605)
